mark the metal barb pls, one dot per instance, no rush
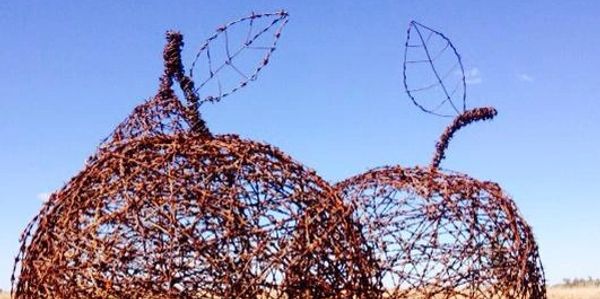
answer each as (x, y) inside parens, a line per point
(174, 70)
(464, 119)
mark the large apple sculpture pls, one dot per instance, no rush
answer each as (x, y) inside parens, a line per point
(441, 234)
(165, 209)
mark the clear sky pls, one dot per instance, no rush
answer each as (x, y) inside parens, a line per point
(332, 97)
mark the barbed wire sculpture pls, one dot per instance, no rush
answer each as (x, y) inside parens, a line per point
(439, 234)
(165, 209)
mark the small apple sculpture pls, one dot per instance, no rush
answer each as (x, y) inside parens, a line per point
(445, 235)
(439, 234)
(165, 209)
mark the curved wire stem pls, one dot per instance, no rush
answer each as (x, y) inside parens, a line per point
(463, 120)
(174, 70)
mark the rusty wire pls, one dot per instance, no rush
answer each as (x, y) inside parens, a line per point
(164, 209)
(463, 120)
(437, 234)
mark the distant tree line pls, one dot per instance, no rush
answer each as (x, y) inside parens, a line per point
(580, 282)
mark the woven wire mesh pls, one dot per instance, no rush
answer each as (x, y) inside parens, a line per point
(165, 209)
(183, 216)
(439, 235)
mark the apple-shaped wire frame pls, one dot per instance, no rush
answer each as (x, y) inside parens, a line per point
(165, 209)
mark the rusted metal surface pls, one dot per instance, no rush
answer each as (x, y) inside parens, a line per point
(165, 209)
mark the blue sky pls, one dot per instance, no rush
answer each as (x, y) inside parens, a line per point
(332, 97)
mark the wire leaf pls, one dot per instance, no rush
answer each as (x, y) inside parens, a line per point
(434, 76)
(234, 56)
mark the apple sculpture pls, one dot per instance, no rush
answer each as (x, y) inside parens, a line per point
(445, 235)
(166, 209)
(440, 234)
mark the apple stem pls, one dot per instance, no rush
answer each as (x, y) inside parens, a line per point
(462, 120)
(174, 70)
